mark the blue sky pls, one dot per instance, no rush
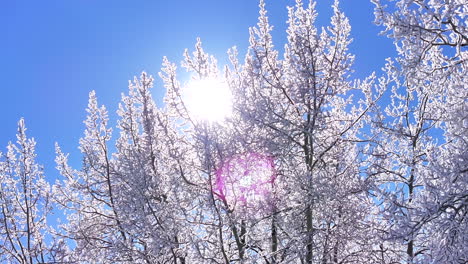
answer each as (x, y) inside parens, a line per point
(54, 52)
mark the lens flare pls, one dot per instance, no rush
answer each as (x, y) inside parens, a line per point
(245, 183)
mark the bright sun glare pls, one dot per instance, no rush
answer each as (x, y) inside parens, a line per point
(208, 99)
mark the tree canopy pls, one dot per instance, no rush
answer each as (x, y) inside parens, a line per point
(306, 164)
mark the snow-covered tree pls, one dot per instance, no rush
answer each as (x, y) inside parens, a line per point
(25, 205)
(307, 118)
(90, 196)
(148, 165)
(429, 97)
(299, 111)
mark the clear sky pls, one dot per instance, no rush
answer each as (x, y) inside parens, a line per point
(54, 52)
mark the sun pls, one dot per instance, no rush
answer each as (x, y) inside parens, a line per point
(208, 99)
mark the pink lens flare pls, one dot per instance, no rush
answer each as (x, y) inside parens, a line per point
(245, 182)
